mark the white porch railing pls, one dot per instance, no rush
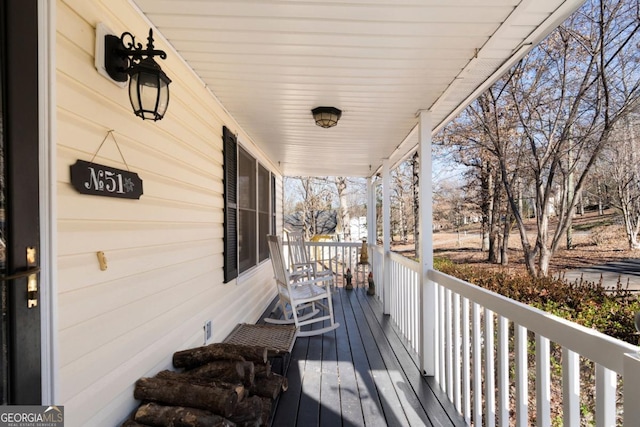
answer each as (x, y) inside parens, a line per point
(405, 297)
(336, 256)
(473, 324)
(467, 317)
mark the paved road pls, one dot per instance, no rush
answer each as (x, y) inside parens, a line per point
(628, 271)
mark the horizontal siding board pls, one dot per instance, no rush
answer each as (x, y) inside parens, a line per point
(156, 144)
(75, 268)
(113, 235)
(104, 297)
(148, 208)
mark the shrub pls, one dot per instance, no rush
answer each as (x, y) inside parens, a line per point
(610, 311)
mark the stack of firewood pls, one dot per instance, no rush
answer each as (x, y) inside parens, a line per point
(216, 385)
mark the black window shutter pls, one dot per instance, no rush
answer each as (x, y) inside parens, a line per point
(230, 152)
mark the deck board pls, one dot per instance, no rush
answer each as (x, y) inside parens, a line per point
(360, 374)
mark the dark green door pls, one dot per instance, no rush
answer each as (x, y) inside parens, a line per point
(19, 204)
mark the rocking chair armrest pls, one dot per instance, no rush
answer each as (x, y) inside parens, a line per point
(301, 265)
(314, 281)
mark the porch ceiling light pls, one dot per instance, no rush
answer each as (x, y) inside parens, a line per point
(326, 117)
(148, 84)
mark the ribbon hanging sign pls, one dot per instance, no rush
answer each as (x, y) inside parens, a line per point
(100, 180)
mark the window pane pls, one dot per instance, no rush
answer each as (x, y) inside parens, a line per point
(273, 203)
(263, 212)
(263, 189)
(246, 180)
(264, 230)
(247, 239)
(247, 236)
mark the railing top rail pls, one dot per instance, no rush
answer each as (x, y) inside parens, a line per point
(334, 244)
(596, 346)
(407, 262)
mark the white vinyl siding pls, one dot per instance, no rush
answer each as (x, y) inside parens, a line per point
(165, 251)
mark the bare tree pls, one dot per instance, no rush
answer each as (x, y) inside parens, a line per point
(622, 155)
(343, 226)
(314, 196)
(565, 97)
(568, 94)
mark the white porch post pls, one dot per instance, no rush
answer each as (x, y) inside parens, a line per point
(386, 235)
(427, 287)
(631, 378)
(371, 212)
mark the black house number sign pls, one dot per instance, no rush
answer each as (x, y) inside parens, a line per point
(100, 180)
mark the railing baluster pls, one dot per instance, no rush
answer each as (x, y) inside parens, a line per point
(449, 343)
(415, 302)
(522, 376)
(442, 346)
(570, 388)
(437, 337)
(457, 399)
(489, 370)
(403, 298)
(416, 312)
(477, 366)
(466, 362)
(543, 382)
(631, 380)
(605, 396)
(503, 371)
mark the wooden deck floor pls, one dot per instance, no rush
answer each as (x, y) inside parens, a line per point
(361, 374)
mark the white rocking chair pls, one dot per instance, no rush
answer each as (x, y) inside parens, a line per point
(296, 296)
(301, 265)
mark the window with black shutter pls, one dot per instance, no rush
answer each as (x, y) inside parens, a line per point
(249, 208)
(230, 205)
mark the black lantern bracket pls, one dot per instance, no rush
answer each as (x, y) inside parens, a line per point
(122, 53)
(124, 59)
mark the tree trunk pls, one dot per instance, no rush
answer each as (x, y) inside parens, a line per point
(416, 202)
(218, 351)
(343, 212)
(570, 195)
(543, 262)
(494, 222)
(504, 254)
(170, 416)
(178, 393)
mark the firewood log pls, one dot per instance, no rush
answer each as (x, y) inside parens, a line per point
(178, 416)
(179, 393)
(240, 389)
(248, 413)
(269, 386)
(224, 370)
(198, 356)
(267, 406)
(132, 423)
(263, 370)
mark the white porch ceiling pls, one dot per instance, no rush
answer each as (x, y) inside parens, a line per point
(269, 62)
